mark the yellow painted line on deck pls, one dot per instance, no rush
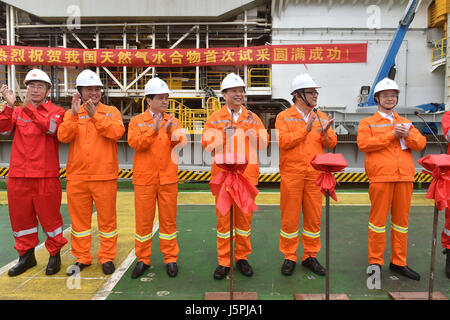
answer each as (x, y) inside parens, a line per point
(273, 198)
(265, 198)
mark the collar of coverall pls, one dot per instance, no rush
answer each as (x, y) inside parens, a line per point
(379, 117)
(45, 105)
(294, 111)
(148, 115)
(224, 113)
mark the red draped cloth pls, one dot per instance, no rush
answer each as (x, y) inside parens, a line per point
(230, 186)
(328, 163)
(438, 165)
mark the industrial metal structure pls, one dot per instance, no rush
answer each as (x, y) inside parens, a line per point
(423, 71)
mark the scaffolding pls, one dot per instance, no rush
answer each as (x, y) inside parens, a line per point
(124, 86)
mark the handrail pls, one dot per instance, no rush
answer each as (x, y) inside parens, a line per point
(259, 77)
(176, 80)
(439, 50)
(192, 120)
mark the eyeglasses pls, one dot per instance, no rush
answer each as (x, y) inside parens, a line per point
(387, 96)
(313, 93)
(37, 86)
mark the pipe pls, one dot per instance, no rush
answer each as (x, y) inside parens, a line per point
(28, 26)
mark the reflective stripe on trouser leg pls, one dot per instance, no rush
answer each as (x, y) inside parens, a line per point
(104, 194)
(242, 244)
(22, 213)
(167, 211)
(380, 194)
(400, 216)
(80, 204)
(47, 204)
(144, 205)
(243, 230)
(312, 213)
(446, 232)
(291, 195)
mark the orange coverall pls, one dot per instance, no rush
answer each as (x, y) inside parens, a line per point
(242, 142)
(155, 179)
(298, 189)
(391, 176)
(92, 171)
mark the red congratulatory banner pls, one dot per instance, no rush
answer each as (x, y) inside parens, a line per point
(276, 54)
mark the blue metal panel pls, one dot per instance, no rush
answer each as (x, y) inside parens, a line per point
(389, 59)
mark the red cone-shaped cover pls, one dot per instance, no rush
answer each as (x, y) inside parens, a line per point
(328, 163)
(438, 166)
(230, 186)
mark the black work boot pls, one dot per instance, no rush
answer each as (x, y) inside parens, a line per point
(139, 270)
(221, 272)
(108, 267)
(447, 262)
(54, 264)
(26, 261)
(405, 270)
(288, 267)
(314, 265)
(244, 267)
(172, 269)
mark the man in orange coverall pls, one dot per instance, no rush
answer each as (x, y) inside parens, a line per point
(300, 138)
(153, 135)
(446, 232)
(92, 129)
(234, 129)
(387, 140)
(34, 189)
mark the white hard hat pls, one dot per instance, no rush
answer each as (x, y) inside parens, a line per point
(386, 84)
(37, 75)
(88, 78)
(303, 81)
(232, 80)
(156, 86)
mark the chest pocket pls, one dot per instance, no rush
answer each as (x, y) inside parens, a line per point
(295, 123)
(27, 127)
(220, 124)
(378, 129)
(144, 127)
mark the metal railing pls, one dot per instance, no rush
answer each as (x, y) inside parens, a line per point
(192, 120)
(439, 51)
(176, 80)
(259, 77)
